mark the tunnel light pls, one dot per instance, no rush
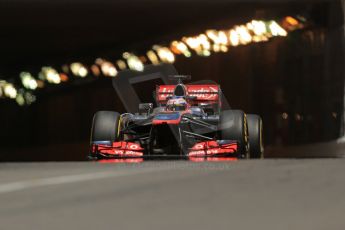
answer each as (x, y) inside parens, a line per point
(133, 62)
(219, 48)
(193, 43)
(29, 98)
(152, 57)
(95, 70)
(204, 42)
(179, 47)
(20, 99)
(216, 48)
(200, 44)
(108, 69)
(10, 91)
(121, 64)
(50, 74)
(78, 69)
(164, 54)
(206, 53)
(63, 77)
(99, 61)
(28, 81)
(234, 38)
(222, 38)
(217, 37)
(25, 97)
(213, 35)
(260, 38)
(258, 27)
(53, 77)
(224, 49)
(205, 45)
(277, 30)
(244, 35)
(285, 116)
(292, 21)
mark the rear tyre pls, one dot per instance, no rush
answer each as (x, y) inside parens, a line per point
(105, 127)
(255, 136)
(233, 126)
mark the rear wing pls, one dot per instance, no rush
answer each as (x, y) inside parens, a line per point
(202, 93)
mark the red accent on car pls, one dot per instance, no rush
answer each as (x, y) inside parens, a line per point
(172, 121)
(212, 148)
(164, 91)
(121, 149)
(203, 92)
(169, 122)
(127, 160)
(209, 93)
(212, 159)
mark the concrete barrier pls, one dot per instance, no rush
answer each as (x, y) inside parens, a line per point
(329, 149)
(78, 151)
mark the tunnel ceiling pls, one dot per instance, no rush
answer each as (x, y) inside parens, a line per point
(35, 33)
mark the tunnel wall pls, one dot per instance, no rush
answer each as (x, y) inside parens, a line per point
(343, 31)
(301, 74)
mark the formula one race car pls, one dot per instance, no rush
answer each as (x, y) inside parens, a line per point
(187, 122)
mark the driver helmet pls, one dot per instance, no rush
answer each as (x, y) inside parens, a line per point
(176, 104)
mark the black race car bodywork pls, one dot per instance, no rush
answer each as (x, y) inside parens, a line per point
(187, 122)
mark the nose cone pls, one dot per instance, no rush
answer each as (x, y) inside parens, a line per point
(167, 118)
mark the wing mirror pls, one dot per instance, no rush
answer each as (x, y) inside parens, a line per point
(145, 108)
(207, 107)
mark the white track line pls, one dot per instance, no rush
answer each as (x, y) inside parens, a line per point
(68, 179)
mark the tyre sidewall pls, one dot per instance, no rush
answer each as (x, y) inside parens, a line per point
(233, 126)
(255, 136)
(105, 126)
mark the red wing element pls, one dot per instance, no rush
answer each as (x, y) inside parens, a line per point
(114, 161)
(209, 93)
(120, 149)
(213, 148)
(212, 159)
(203, 93)
(164, 91)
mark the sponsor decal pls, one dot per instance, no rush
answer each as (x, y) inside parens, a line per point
(207, 93)
(201, 92)
(122, 149)
(211, 148)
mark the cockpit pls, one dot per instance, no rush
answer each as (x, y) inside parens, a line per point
(176, 104)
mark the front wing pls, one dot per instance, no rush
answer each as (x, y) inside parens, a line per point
(123, 149)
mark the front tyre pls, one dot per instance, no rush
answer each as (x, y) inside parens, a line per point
(105, 127)
(233, 126)
(255, 136)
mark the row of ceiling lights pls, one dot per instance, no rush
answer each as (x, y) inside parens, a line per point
(204, 44)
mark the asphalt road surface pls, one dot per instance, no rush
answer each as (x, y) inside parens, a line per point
(248, 194)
